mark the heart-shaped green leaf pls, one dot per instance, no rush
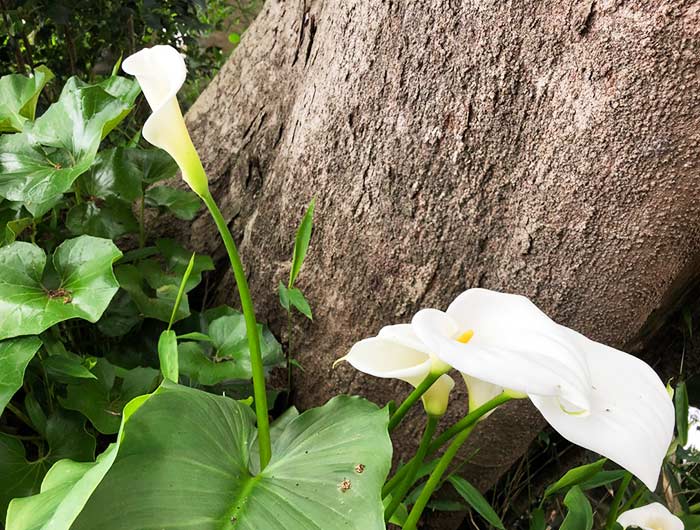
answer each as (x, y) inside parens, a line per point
(79, 284)
(18, 97)
(40, 164)
(15, 355)
(327, 468)
(181, 203)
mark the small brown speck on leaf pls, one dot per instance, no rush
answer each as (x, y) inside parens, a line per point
(359, 468)
(345, 485)
(61, 293)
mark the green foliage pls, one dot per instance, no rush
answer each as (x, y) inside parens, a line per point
(211, 479)
(19, 96)
(15, 355)
(476, 500)
(580, 516)
(576, 476)
(680, 398)
(301, 243)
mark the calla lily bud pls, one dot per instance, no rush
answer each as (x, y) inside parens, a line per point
(161, 71)
(650, 517)
(396, 353)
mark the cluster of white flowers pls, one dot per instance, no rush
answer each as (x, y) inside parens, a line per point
(595, 396)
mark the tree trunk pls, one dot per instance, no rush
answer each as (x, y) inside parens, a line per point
(544, 148)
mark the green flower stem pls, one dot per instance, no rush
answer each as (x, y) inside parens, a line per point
(414, 396)
(251, 329)
(635, 497)
(400, 492)
(617, 499)
(465, 423)
(435, 479)
(20, 415)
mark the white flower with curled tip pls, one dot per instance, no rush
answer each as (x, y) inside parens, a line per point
(650, 517)
(161, 71)
(396, 353)
(595, 396)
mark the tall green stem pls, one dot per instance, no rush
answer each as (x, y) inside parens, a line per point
(414, 396)
(617, 500)
(414, 466)
(435, 479)
(251, 329)
(465, 423)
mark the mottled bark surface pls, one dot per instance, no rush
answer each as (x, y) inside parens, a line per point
(545, 148)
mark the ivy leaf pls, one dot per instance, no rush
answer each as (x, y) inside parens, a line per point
(181, 203)
(121, 316)
(18, 98)
(109, 218)
(66, 368)
(15, 355)
(102, 400)
(230, 341)
(40, 164)
(327, 468)
(34, 297)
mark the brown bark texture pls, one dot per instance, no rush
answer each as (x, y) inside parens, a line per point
(544, 148)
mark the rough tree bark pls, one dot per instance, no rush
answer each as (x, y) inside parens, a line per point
(545, 148)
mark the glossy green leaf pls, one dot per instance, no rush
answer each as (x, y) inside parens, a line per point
(301, 243)
(326, 471)
(79, 284)
(476, 500)
(230, 341)
(35, 413)
(680, 399)
(167, 353)
(65, 489)
(181, 203)
(102, 400)
(180, 293)
(108, 218)
(203, 370)
(18, 98)
(575, 476)
(15, 355)
(66, 369)
(602, 478)
(580, 514)
(120, 317)
(40, 164)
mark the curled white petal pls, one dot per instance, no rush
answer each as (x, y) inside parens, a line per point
(631, 415)
(653, 516)
(480, 392)
(161, 72)
(514, 345)
(386, 358)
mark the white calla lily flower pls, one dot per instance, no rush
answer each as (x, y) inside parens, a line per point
(595, 396)
(396, 353)
(650, 517)
(161, 72)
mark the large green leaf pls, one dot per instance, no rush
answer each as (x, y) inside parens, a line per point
(103, 399)
(40, 164)
(65, 489)
(18, 97)
(184, 463)
(34, 297)
(15, 355)
(108, 218)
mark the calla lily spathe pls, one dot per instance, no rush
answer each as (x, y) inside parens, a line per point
(161, 71)
(595, 396)
(651, 517)
(396, 353)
